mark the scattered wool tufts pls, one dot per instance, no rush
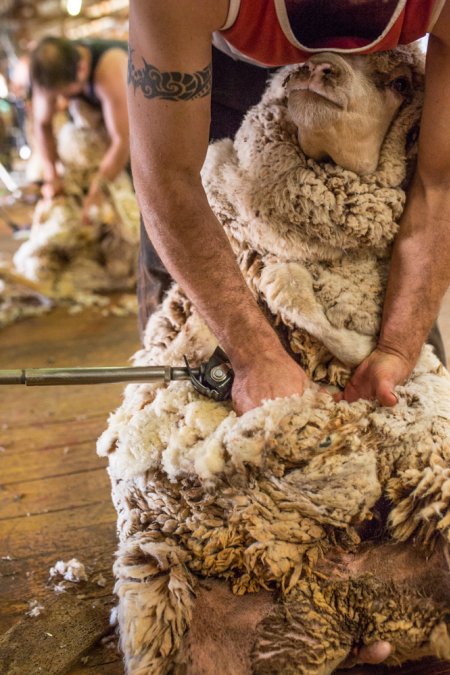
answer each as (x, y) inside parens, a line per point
(72, 570)
(100, 580)
(60, 588)
(35, 608)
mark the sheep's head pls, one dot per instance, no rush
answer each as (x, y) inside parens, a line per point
(343, 106)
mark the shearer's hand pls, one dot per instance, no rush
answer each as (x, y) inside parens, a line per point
(92, 199)
(372, 654)
(268, 376)
(376, 377)
(52, 188)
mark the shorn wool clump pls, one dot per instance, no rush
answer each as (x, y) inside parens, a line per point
(19, 298)
(72, 261)
(276, 541)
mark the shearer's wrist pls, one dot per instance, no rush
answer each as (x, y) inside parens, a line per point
(50, 174)
(406, 356)
(263, 346)
(99, 183)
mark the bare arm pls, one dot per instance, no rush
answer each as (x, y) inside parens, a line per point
(44, 105)
(420, 270)
(110, 87)
(169, 138)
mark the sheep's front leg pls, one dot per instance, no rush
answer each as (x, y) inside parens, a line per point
(155, 605)
(314, 630)
(303, 635)
(288, 291)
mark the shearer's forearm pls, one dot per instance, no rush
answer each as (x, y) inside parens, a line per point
(197, 253)
(419, 274)
(115, 160)
(420, 270)
(46, 145)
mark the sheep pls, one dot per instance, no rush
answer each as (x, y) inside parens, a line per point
(274, 541)
(69, 260)
(19, 298)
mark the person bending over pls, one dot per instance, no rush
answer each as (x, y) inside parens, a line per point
(96, 71)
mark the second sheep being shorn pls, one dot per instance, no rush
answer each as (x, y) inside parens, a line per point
(75, 262)
(276, 541)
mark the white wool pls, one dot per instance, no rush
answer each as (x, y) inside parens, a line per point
(290, 286)
(100, 580)
(204, 420)
(60, 588)
(191, 452)
(35, 608)
(138, 445)
(430, 385)
(139, 441)
(209, 459)
(26, 263)
(81, 147)
(72, 570)
(188, 433)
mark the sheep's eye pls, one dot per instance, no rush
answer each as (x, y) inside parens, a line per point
(401, 85)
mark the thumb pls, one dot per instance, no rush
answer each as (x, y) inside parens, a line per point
(385, 394)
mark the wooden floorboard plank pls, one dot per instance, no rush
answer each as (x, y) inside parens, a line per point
(53, 641)
(22, 405)
(48, 495)
(52, 433)
(47, 462)
(24, 580)
(49, 435)
(88, 336)
(108, 668)
(20, 610)
(50, 532)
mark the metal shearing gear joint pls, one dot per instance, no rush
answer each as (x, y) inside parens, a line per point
(213, 379)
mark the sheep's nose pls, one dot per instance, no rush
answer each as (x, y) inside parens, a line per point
(325, 68)
(315, 70)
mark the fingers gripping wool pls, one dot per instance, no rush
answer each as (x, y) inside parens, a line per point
(313, 525)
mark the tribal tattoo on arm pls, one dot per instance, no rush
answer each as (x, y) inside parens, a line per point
(170, 86)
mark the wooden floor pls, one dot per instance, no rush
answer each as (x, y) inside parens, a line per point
(55, 498)
(54, 491)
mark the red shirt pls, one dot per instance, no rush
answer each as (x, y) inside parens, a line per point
(279, 32)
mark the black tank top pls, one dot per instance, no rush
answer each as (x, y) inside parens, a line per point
(97, 48)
